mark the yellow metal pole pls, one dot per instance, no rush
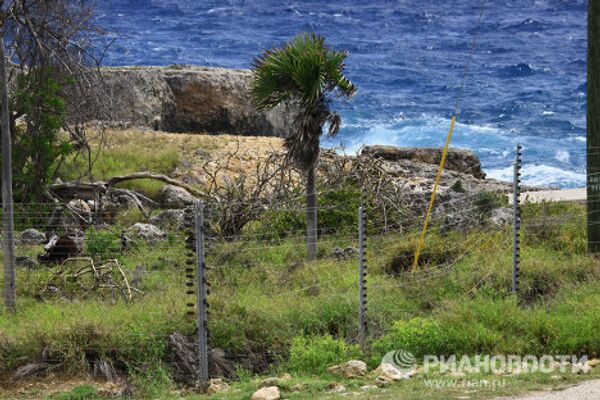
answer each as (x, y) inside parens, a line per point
(432, 200)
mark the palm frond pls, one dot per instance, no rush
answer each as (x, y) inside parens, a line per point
(304, 70)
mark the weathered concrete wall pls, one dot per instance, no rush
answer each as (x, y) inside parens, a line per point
(185, 99)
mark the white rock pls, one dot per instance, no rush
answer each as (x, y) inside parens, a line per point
(80, 205)
(336, 387)
(388, 372)
(148, 232)
(32, 236)
(267, 393)
(168, 219)
(350, 369)
(216, 386)
(582, 369)
(175, 197)
(501, 216)
(593, 362)
(366, 388)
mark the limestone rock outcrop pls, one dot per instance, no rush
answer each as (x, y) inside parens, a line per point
(182, 99)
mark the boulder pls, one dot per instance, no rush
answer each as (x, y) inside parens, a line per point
(581, 368)
(150, 233)
(350, 369)
(336, 387)
(389, 373)
(273, 381)
(80, 206)
(593, 362)
(168, 219)
(32, 236)
(501, 216)
(267, 393)
(216, 386)
(181, 99)
(459, 160)
(175, 197)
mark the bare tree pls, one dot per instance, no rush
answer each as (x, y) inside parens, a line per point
(52, 36)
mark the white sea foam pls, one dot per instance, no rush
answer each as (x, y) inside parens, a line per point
(540, 175)
(562, 155)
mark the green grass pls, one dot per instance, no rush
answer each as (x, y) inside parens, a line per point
(121, 155)
(266, 302)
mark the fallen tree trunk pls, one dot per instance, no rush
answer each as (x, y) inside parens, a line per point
(159, 177)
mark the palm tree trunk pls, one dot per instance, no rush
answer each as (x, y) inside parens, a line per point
(311, 215)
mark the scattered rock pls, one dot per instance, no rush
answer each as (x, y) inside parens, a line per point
(285, 377)
(175, 197)
(382, 382)
(350, 369)
(593, 362)
(582, 369)
(336, 387)
(501, 216)
(32, 236)
(26, 262)
(168, 219)
(267, 393)
(388, 372)
(340, 253)
(269, 382)
(216, 386)
(79, 206)
(299, 387)
(148, 232)
(366, 388)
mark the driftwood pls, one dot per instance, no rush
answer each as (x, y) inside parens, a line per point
(159, 177)
(60, 193)
(80, 277)
(185, 360)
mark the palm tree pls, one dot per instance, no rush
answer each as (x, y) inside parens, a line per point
(304, 72)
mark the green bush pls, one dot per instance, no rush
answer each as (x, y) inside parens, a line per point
(418, 335)
(81, 392)
(338, 212)
(487, 200)
(38, 148)
(315, 354)
(102, 244)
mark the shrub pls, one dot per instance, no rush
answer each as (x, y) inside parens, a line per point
(487, 200)
(38, 149)
(316, 354)
(102, 244)
(418, 335)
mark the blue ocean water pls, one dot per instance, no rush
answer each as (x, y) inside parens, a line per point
(526, 84)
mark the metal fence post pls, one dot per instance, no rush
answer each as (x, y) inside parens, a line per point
(516, 220)
(201, 303)
(362, 292)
